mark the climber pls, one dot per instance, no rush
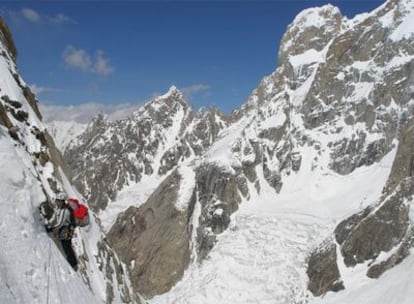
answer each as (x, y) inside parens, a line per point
(60, 220)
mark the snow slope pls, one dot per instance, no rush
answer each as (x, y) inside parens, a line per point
(32, 268)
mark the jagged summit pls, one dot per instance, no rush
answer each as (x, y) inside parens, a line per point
(173, 94)
(317, 16)
(169, 102)
(311, 29)
(173, 90)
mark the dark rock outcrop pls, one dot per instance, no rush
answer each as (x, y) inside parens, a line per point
(323, 270)
(379, 231)
(153, 240)
(6, 37)
(218, 193)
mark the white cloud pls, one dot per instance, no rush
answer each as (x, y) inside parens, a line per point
(81, 60)
(190, 91)
(102, 66)
(84, 113)
(39, 90)
(77, 58)
(61, 19)
(30, 15)
(33, 16)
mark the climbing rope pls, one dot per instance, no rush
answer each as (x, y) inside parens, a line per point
(57, 285)
(48, 273)
(50, 266)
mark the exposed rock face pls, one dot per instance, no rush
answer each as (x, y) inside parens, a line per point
(312, 29)
(402, 252)
(13, 109)
(323, 270)
(7, 39)
(115, 273)
(154, 240)
(378, 232)
(218, 193)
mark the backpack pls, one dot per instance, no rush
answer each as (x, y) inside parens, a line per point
(46, 211)
(80, 214)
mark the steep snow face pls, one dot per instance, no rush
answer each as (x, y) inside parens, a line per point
(33, 269)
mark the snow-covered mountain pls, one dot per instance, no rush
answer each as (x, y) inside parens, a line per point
(304, 195)
(311, 176)
(323, 145)
(129, 158)
(33, 269)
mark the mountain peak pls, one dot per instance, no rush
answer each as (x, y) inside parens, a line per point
(317, 16)
(173, 91)
(313, 28)
(173, 88)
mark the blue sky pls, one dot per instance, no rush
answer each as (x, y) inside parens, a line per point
(112, 52)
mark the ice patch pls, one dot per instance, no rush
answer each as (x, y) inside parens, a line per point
(187, 185)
